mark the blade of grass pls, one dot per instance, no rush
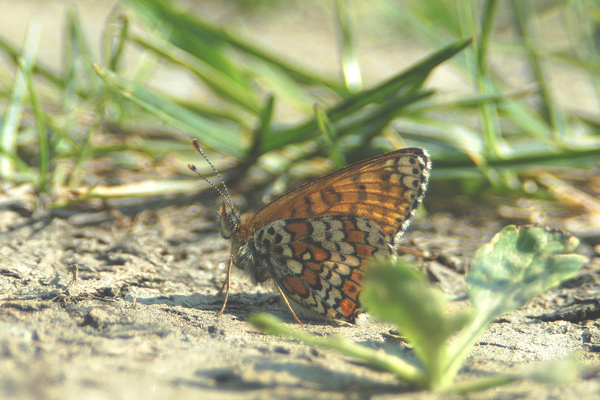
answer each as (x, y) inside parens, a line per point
(84, 153)
(527, 119)
(209, 133)
(21, 166)
(78, 79)
(589, 54)
(409, 80)
(26, 62)
(218, 81)
(191, 31)
(44, 148)
(264, 125)
(489, 115)
(347, 27)
(9, 160)
(117, 29)
(13, 53)
(330, 136)
(425, 23)
(426, 19)
(284, 88)
(468, 102)
(404, 82)
(190, 34)
(371, 123)
(524, 22)
(525, 160)
(270, 324)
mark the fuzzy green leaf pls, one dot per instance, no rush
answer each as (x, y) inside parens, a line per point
(518, 264)
(398, 293)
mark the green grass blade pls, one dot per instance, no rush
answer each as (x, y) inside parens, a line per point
(376, 358)
(114, 37)
(367, 123)
(525, 20)
(528, 120)
(200, 38)
(78, 78)
(13, 53)
(489, 115)
(408, 80)
(218, 81)
(330, 136)
(264, 126)
(26, 62)
(209, 133)
(9, 160)
(44, 148)
(189, 33)
(402, 84)
(347, 26)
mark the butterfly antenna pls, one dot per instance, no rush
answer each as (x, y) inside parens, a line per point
(192, 167)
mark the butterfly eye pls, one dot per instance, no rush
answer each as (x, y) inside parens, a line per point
(229, 219)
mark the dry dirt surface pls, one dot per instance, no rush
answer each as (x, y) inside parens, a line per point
(113, 308)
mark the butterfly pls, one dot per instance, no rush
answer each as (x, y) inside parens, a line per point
(316, 241)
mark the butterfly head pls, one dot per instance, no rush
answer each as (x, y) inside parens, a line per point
(228, 220)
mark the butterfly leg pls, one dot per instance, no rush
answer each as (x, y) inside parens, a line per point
(226, 286)
(287, 303)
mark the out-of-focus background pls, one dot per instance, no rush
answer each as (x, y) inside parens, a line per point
(243, 77)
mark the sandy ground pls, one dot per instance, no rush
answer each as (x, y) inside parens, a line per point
(129, 312)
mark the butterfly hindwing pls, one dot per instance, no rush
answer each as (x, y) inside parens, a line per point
(319, 262)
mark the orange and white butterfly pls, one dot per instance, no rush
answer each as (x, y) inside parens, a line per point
(315, 241)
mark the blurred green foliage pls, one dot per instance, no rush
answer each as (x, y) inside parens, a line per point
(495, 135)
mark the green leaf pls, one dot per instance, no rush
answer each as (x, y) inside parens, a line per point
(518, 264)
(396, 292)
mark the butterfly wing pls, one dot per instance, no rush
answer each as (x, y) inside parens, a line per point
(386, 190)
(315, 241)
(319, 261)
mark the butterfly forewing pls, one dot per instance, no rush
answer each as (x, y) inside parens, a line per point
(385, 189)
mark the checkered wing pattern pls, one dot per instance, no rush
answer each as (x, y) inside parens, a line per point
(316, 241)
(319, 261)
(386, 190)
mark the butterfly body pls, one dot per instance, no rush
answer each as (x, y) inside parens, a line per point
(316, 241)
